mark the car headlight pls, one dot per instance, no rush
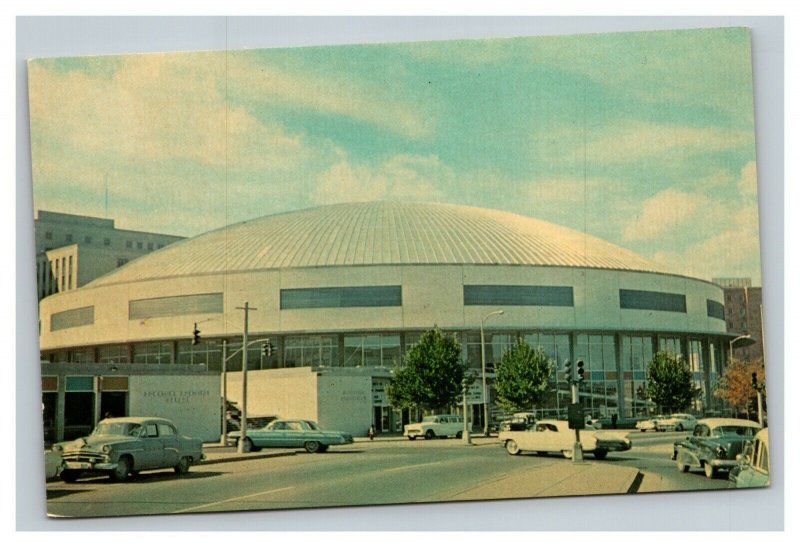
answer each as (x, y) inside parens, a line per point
(105, 449)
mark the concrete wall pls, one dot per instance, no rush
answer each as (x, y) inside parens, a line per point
(286, 393)
(345, 403)
(431, 295)
(337, 401)
(192, 402)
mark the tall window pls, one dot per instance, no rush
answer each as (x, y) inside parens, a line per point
(637, 352)
(313, 351)
(598, 391)
(208, 352)
(376, 350)
(113, 354)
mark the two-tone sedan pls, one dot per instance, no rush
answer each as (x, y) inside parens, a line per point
(119, 447)
(291, 434)
(714, 445)
(556, 436)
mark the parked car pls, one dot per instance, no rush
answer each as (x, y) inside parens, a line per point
(119, 447)
(290, 434)
(556, 436)
(714, 445)
(438, 425)
(753, 469)
(607, 422)
(519, 421)
(677, 422)
(649, 423)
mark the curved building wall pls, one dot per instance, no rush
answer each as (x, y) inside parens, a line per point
(430, 295)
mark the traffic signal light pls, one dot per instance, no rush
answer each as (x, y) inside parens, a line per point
(581, 374)
(568, 370)
(266, 348)
(269, 349)
(195, 335)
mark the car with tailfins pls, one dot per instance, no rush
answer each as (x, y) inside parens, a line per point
(714, 445)
(296, 433)
(677, 422)
(119, 447)
(556, 436)
(651, 423)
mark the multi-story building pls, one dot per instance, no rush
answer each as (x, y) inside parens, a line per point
(72, 250)
(743, 314)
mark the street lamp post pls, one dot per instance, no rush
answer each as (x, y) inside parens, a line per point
(730, 344)
(483, 374)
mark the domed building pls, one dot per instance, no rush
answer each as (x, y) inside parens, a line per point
(342, 291)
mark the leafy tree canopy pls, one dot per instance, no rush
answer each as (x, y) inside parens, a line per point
(522, 377)
(736, 383)
(670, 384)
(431, 374)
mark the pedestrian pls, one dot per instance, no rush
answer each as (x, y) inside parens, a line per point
(371, 432)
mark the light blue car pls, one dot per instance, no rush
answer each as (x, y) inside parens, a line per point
(291, 434)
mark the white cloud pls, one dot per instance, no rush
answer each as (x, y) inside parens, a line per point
(669, 212)
(338, 94)
(627, 143)
(414, 178)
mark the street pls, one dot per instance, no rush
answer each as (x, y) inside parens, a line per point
(365, 473)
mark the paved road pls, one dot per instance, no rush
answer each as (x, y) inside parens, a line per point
(360, 474)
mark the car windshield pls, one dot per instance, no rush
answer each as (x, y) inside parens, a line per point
(734, 430)
(128, 429)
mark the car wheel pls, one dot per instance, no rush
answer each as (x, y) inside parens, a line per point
(68, 475)
(567, 454)
(247, 445)
(429, 434)
(183, 466)
(679, 427)
(123, 469)
(512, 447)
(682, 467)
(459, 434)
(312, 446)
(711, 473)
(600, 454)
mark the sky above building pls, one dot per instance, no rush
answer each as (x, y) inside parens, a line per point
(643, 139)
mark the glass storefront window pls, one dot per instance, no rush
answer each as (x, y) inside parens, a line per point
(112, 354)
(208, 352)
(372, 350)
(311, 351)
(152, 353)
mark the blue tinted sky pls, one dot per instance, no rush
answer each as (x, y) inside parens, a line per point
(643, 139)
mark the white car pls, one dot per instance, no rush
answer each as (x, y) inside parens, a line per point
(677, 422)
(556, 436)
(649, 423)
(439, 425)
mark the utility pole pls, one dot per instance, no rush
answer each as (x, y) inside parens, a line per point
(224, 439)
(243, 430)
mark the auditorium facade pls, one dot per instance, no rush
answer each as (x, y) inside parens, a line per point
(342, 291)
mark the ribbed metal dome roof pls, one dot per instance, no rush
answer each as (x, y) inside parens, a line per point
(373, 233)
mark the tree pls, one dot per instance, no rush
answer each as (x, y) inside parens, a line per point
(670, 384)
(736, 384)
(523, 377)
(431, 374)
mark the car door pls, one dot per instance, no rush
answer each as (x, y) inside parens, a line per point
(273, 436)
(152, 447)
(171, 448)
(296, 434)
